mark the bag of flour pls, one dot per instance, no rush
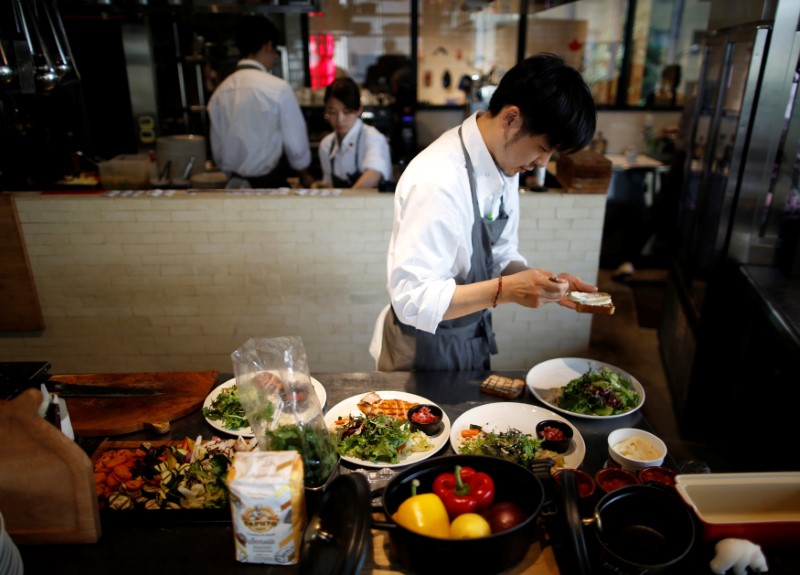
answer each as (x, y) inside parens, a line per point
(267, 506)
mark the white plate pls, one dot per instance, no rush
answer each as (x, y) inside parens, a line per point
(546, 376)
(246, 431)
(500, 417)
(349, 406)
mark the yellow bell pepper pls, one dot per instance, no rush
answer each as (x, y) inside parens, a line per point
(424, 514)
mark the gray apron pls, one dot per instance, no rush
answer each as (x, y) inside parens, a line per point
(352, 177)
(461, 344)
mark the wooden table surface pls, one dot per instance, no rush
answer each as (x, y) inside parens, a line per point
(207, 547)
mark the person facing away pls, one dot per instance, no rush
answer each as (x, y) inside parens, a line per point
(355, 154)
(453, 253)
(258, 132)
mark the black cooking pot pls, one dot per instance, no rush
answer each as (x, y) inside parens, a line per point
(637, 530)
(337, 539)
(486, 555)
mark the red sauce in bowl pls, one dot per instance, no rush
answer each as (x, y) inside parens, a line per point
(552, 433)
(424, 415)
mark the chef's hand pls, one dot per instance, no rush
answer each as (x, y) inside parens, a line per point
(575, 284)
(306, 179)
(536, 287)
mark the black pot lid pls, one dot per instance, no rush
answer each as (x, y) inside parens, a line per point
(337, 538)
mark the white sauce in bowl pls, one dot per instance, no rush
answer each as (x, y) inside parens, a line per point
(637, 448)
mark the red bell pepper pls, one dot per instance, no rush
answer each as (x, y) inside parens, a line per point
(465, 491)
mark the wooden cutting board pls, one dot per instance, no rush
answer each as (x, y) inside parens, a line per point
(47, 489)
(183, 393)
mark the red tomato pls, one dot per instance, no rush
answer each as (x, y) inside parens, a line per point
(504, 516)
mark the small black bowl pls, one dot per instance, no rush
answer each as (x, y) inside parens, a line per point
(557, 445)
(431, 428)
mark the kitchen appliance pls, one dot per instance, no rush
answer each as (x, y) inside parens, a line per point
(739, 174)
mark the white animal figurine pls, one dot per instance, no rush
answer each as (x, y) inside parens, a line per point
(739, 554)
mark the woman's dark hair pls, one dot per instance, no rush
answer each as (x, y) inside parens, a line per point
(554, 99)
(252, 32)
(346, 91)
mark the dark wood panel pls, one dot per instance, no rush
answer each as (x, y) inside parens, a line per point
(19, 302)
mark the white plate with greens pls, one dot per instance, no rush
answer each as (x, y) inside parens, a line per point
(546, 380)
(523, 417)
(246, 431)
(349, 408)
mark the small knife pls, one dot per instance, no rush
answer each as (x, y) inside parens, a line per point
(80, 390)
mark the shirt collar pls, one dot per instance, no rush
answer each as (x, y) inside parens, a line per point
(249, 62)
(349, 138)
(492, 180)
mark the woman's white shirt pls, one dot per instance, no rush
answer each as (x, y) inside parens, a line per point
(373, 153)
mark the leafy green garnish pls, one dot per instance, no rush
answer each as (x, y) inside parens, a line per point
(598, 392)
(313, 444)
(378, 438)
(227, 408)
(512, 445)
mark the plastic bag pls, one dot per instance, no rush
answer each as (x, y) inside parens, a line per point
(281, 405)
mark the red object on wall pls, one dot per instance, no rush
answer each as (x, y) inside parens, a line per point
(323, 68)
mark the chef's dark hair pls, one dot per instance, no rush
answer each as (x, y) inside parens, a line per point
(252, 32)
(554, 99)
(346, 91)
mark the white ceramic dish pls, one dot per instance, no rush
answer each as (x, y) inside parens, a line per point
(499, 417)
(547, 376)
(247, 431)
(761, 507)
(629, 461)
(349, 406)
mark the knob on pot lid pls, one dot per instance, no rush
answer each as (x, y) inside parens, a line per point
(337, 538)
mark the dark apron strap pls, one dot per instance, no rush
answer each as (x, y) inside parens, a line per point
(352, 178)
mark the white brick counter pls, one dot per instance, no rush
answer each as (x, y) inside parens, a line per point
(177, 283)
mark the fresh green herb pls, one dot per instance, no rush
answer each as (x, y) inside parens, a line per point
(313, 445)
(512, 445)
(598, 392)
(379, 438)
(227, 408)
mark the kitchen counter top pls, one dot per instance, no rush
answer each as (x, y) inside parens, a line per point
(207, 547)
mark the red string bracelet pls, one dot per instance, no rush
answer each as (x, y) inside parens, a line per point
(499, 289)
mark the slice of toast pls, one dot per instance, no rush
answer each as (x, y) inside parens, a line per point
(503, 386)
(597, 303)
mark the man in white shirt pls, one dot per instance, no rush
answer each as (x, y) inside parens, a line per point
(258, 132)
(453, 253)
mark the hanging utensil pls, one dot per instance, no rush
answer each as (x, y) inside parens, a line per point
(62, 41)
(46, 75)
(22, 53)
(62, 65)
(6, 71)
